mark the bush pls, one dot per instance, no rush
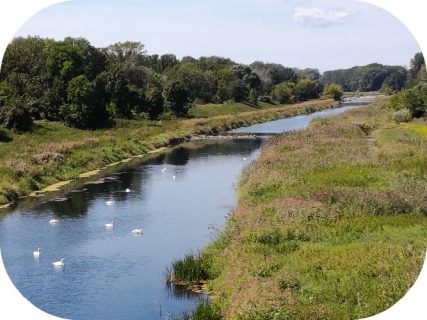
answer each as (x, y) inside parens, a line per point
(4, 136)
(334, 91)
(16, 118)
(284, 92)
(403, 115)
(414, 100)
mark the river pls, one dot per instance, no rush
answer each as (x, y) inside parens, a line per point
(180, 199)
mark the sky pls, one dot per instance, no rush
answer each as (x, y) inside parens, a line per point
(324, 34)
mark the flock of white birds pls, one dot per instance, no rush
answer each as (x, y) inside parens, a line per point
(61, 263)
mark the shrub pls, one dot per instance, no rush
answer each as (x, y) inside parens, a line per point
(284, 92)
(403, 115)
(334, 91)
(16, 118)
(4, 136)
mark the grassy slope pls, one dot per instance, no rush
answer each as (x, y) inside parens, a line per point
(329, 224)
(53, 152)
(212, 109)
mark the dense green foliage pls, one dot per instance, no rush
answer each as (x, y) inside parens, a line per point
(86, 87)
(334, 91)
(330, 224)
(372, 77)
(414, 100)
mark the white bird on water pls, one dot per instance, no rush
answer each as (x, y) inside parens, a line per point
(59, 263)
(109, 225)
(53, 221)
(127, 190)
(137, 232)
(109, 202)
(173, 177)
(36, 253)
(163, 170)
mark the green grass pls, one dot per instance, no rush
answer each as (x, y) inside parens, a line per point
(329, 224)
(54, 152)
(229, 108)
(192, 269)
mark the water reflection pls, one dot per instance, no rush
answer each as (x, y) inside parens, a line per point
(110, 273)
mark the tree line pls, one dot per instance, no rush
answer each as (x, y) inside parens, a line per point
(87, 87)
(375, 77)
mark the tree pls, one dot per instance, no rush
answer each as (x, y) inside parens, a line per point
(127, 52)
(177, 98)
(414, 102)
(417, 63)
(154, 96)
(333, 91)
(83, 109)
(367, 78)
(307, 89)
(253, 96)
(284, 92)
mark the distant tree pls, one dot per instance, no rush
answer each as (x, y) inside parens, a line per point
(177, 98)
(83, 110)
(117, 87)
(271, 74)
(253, 96)
(310, 73)
(127, 52)
(334, 91)
(417, 63)
(225, 78)
(284, 92)
(198, 84)
(307, 89)
(238, 90)
(167, 61)
(367, 78)
(154, 96)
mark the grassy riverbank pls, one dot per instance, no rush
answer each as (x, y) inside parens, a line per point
(331, 222)
(54, 152)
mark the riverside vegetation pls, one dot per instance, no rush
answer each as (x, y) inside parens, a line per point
(331, 223)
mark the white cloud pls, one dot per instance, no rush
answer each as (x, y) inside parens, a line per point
(317, 17)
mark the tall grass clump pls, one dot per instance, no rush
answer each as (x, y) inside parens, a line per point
(190, 269)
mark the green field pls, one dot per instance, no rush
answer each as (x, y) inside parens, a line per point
(331, 223)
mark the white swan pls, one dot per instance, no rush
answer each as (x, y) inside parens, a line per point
(53, 221)
(173, 177)
(109, 225)
(109, 202)
(59, 263)
(36, 253)
(244, 159)
(127, 190)
(137, 231)
(163, 170)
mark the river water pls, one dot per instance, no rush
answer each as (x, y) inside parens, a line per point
(180, 199)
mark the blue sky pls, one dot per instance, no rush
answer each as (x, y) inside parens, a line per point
(326, 34)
